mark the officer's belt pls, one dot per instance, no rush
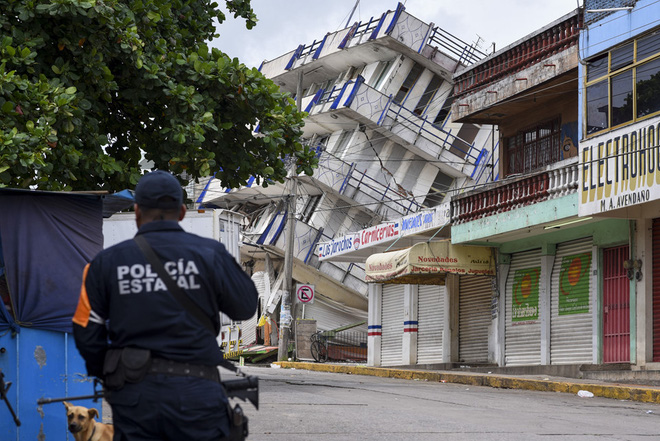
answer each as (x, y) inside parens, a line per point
(169, 367)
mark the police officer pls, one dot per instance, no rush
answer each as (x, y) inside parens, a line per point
(125, 307)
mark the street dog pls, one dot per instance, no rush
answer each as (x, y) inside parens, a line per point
(81, 424)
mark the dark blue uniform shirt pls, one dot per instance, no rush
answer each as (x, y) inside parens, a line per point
(121, 289)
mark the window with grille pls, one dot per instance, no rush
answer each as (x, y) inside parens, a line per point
(533, 148)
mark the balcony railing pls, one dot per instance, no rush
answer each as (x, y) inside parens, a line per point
(466, 53)
(306, 239)
(422, 127)
(416, 36)
(529, 52)
(513, 195)
(347, 180)
(399, 120)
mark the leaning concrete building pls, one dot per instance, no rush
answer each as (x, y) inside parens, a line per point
(378, 96)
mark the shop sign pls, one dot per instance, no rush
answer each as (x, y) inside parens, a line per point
(427, 259)
(425, 220)
(620, 169)
(341, 245)
(408, 225)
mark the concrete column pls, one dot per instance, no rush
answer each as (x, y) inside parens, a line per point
(644, 290)
(410, 324)
(545, 312)
(493, 329)
(446, 328)
(375, 324)
(503, 266)
(597, 302)
(451, 337)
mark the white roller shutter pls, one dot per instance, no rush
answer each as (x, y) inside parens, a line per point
(431, 319)
(474, 318)
(571, 333)
(522, 337)
(391, 345)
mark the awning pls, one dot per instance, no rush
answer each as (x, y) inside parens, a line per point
(428, 263)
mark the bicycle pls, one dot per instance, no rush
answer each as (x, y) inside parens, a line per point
(319, 347)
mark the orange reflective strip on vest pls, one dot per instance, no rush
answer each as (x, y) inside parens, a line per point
(81, 317)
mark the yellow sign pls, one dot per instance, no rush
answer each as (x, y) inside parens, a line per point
(428, 263)
(620, 169)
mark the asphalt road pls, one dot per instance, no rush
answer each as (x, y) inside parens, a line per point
(298, 405)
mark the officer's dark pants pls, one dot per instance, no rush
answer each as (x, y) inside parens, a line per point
(174, 408)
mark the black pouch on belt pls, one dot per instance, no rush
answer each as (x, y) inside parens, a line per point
(238, 424)
(126, 365)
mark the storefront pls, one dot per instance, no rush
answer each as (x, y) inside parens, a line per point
(474, 318)
(572, 303)
(522, 303)
(409, 309)
(431, 309)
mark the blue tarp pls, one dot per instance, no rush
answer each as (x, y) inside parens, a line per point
(47, 239)
(115, 202)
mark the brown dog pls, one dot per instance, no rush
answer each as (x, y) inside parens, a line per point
(81, 423)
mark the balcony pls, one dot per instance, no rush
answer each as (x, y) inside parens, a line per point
(515, 193)
(546, 60)
(547, 42)
(355, 186)
(377, 39)
(357, 101)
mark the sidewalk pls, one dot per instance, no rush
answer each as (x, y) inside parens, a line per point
(646, 394)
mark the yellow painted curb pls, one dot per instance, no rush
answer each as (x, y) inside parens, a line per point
(615, 391)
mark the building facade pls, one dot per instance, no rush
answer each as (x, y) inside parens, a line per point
(574, 213)
(556, 269)
(378, 96)
(619, 164)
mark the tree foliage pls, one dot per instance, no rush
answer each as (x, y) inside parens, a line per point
(88, 88)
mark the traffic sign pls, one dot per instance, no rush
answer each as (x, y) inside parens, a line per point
(305, 293)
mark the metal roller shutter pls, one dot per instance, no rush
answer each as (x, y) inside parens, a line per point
(656, 289)
(571, 303)
(474, 318)
(391, 343)
(522, 334)
(431, 319)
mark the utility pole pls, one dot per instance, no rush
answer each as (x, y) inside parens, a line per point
(286, 309)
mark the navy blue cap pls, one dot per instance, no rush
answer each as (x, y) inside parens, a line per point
(159, 189)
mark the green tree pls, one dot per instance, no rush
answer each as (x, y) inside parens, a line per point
(88, 88)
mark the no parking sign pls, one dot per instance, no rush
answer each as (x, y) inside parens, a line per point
(305, 293)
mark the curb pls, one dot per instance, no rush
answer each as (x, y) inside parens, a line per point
(615, 391)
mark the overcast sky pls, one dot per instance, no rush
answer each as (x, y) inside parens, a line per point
(284, 24)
